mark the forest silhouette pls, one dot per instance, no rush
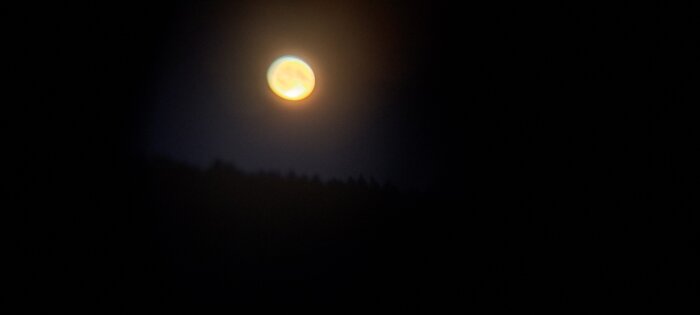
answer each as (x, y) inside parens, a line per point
(222, 239)
(227, 238)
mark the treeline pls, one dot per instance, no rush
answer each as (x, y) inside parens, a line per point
(224, 238)
(218, 238)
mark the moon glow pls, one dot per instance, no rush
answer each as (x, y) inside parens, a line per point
(291, 78)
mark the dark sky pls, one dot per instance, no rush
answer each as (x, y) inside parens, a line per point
(409, 92)
(375, 65)
(418, 93)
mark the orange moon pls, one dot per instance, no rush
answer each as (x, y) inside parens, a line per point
(291, 78)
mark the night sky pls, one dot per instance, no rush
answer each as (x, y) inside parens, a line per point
(530, 156)
(375, 65)
(407, 93)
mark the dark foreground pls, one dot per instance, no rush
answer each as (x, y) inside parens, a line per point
(183, 239)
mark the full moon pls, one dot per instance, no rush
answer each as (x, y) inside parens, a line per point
(291, 78)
